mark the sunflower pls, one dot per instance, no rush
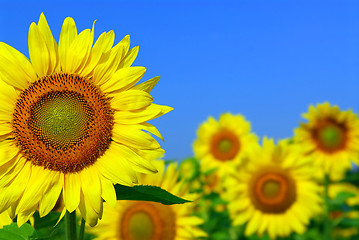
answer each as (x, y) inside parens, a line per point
(225, 143)
(140, 220)
(330, 137)
(273, 192)
(72, 121)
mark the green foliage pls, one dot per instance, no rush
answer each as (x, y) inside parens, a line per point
(147, 193)
(340, 198)
(46, 227)
(13, 232)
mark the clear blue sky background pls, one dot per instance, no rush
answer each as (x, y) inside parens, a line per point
(268, 60)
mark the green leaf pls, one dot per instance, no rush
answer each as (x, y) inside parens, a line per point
(13, 232)
(350, 222)
(147, 193)
(341, 198)
(46, 227)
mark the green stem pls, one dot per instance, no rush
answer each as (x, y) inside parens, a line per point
(327, 224)
(70, 224)
(82, 229)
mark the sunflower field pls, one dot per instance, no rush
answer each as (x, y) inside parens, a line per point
(80, 160)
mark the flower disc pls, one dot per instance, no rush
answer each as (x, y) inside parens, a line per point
(273, 191)
(330, 136)
(62, 122)
(225, 145)
(147, 221)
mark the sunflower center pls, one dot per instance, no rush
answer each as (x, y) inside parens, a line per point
(141, 226)
(331, 137)
(272, 191)
(63, 123)
(147, 221)
(60, 118)
(225, 145)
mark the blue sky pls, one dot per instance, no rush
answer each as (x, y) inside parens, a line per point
(268, 60)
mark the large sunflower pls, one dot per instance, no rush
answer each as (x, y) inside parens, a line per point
(225, 143)
(72, 121)
(273, 192)
(140, 220)
(330, 137)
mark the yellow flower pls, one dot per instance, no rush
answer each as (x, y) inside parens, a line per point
(225, 143)
(330, 138)
(140, 220)
(274, 192)
(72, 121)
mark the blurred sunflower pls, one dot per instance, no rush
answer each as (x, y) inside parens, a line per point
(330, 137)
(72, 121)
(140, 220)
(223, 144)
(273, 192)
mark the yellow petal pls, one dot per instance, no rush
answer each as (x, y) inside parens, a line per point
(8, 99)
(71, 191)
(51, 194)
(123, 79)
(170, 177)
(114, 167)
(132, 136)
(131, 100)
(108, 192)
(140, 116)
(78, 52)
(12, 74)
(90, 216)
(5, 128)
(51, 44)
(148, 85)
(101, 46)
(138, 163)
(24, 216)
(39, 54)
(20, 60)
(11, 192)
(33, 194)
(253, 223)
(129, 58)
(190, 220)
(67, 36)
(150, 128)
(10, 169)
(104, 71)
(91, 188)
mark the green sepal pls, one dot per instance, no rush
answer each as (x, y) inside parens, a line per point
(147, 193)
